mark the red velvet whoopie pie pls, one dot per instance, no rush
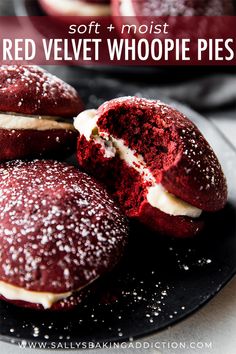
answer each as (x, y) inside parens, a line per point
(172, 7)
(59, 232)
(155, 162)
(36, 113)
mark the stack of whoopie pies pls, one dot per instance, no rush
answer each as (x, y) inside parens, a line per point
(60, 230)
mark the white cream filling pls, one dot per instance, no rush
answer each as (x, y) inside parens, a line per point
(86, 123)
(157, 196)
(126, 8)
(46, 299)
(80, 8)
(11, 121)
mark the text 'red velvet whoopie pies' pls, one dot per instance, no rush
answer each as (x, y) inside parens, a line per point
(155, 162)
(36, 111)
(59, 232)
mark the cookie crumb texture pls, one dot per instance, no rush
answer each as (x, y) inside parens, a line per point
(29, 89)
(59, 229)
(174, 151)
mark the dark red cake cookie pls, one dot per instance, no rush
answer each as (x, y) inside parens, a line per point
(59, 232)
(155, 162)
(172, 7)
(76, 7)
(36, 111)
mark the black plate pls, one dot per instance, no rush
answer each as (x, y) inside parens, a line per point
(160, 280)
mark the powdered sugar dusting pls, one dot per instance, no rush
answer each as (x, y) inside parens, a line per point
(59, 229)
(31, 89)
(45, 83)
(203, 164)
